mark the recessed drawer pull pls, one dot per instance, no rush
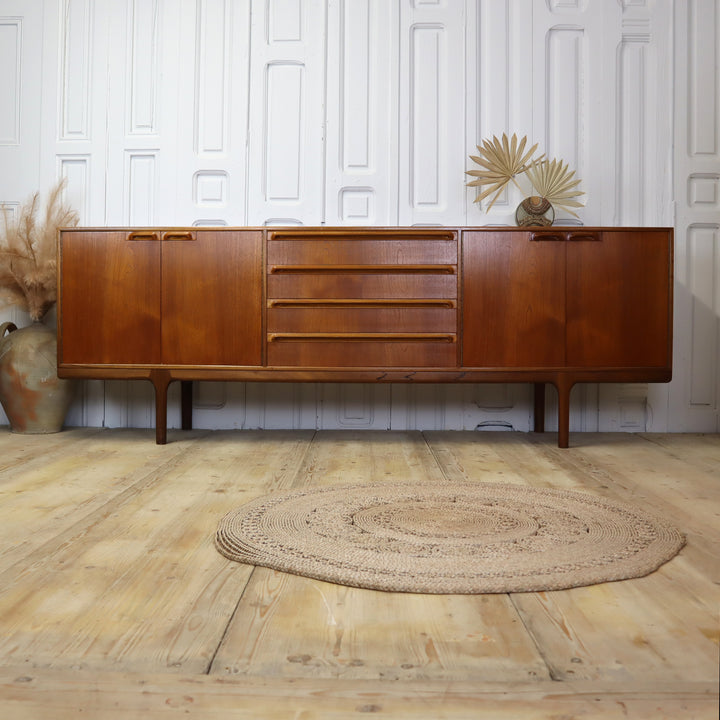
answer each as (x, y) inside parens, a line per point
(547, 237)
(178, 235)
(359, 303)
(143, 235)
(583, 237)
(363, 269)
(362, 337)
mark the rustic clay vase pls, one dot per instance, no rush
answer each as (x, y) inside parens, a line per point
(35, 400)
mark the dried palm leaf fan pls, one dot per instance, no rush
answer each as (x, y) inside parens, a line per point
(502, 160)
(551, 181)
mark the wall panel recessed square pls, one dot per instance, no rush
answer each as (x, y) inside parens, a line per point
(210, 188)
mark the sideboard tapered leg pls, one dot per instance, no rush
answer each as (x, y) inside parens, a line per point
(186, 404)
(539, 407)
(564, 385)
(160, 379)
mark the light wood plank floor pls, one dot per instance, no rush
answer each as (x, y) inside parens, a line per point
(115, 604)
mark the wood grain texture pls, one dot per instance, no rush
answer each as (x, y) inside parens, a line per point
(114, 602)
(212, 299)
(105, 275)
(513, 309)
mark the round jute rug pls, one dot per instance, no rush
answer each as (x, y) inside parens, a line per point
(448, 538)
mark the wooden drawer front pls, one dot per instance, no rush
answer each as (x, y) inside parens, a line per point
(320, 316)
(362, 285)
(356, 351)
(387, 249)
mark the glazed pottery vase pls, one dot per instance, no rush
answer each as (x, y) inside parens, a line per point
(35, 400)
(535, 211)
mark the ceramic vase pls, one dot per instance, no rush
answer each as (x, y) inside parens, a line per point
(534, 211)
(35, 400)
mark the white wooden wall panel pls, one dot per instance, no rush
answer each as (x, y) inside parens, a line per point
(211, 82)
(286, 153)
(211, 112)
(361, 113)
(501, 90)
(20, 106)
(21, 26)
(78, 36)
(641, 168)
(10, 79)
(695, 391)
(431, 144)
(142, 101)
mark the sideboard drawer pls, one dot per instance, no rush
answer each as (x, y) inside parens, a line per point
(362, 285)
(357, 350)
(360, 316)
(387, 249)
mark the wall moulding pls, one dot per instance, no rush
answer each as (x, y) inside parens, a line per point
(143, 68)
(76, 31)
(703, 78)
(140, 188)
(565, 88)
(210, 188)
(357, 204)
(427, 50)
(283, 131)
(76, 169)
(10, 79)
(559, 6)
(356, 74)
(703, 263)
(212, 55)
(284, 21)
(704, 191)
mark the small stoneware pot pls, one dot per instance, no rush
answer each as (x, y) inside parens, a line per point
(534, 211)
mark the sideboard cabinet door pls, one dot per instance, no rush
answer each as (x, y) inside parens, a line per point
(513, 299)
(212, 297)
(109, 304)
(619, 298)
(161, 297)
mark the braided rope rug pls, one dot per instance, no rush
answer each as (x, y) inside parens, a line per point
(448, 538)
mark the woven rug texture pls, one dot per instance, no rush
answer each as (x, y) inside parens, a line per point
(448, 538)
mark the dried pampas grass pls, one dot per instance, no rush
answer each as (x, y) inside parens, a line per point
(28, 253)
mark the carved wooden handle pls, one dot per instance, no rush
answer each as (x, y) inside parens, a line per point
(178, 235)
(143, 235)
(547, 237)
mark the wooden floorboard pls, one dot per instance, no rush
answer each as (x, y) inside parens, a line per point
(114, 602)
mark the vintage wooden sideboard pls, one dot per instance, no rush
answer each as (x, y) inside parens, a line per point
(558, 305)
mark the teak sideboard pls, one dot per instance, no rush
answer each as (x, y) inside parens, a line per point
(558, 305)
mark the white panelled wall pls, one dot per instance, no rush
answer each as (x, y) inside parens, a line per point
(359, 112)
